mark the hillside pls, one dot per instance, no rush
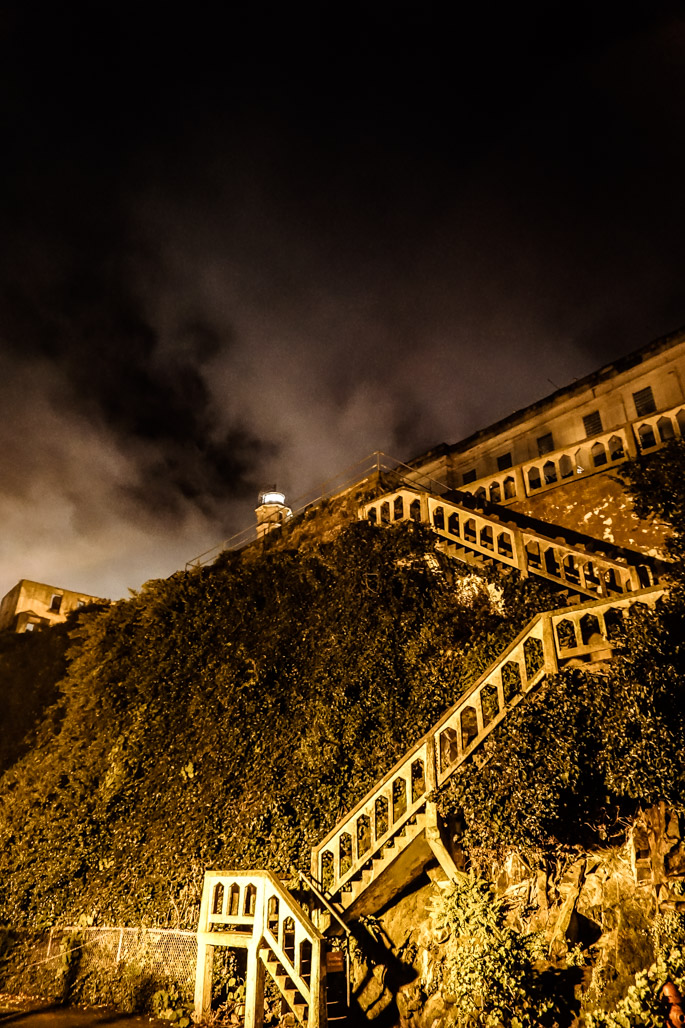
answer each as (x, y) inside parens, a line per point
(229, 715)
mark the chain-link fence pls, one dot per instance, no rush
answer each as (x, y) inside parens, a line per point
(167, 954)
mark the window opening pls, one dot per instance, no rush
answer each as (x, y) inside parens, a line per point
(644, 402)
(592, 423)
(469, 476)
(504, 461)
(545, 444)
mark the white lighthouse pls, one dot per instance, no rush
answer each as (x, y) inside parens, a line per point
(271, 512)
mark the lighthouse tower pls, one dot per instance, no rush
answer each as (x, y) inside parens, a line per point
(271, 512)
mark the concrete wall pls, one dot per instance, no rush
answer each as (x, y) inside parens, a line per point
(600, 507)
(34, 604)
(609, 391)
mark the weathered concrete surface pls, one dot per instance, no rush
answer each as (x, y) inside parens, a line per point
(600, 507)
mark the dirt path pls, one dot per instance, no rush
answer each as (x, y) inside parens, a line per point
(34, 1014)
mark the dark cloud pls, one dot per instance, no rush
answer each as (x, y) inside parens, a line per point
(251, 250)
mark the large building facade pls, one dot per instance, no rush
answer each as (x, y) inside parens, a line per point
(554, 459)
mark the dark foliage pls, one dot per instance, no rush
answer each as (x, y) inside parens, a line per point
(229, 716)
(593, 745)
(31, 664)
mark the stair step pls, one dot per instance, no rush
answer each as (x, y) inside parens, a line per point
(289, 992)
(390, 850)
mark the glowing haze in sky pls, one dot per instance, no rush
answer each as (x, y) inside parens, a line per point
(244, 251)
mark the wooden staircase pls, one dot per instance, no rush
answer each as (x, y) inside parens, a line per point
(393, 833)
(291, 994)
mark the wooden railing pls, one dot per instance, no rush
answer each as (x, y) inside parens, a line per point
(592, 575)
(401, 794)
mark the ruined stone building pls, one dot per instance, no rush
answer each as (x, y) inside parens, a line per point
(32, 605)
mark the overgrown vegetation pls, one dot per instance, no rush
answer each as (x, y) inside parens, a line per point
(594, 745)
(488, 971)
(228, 716)
(31, 665)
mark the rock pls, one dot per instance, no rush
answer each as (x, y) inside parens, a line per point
(569, 889)
(435, 1012)
(674, 861)
(409, 1000)
(673, 826)
(373, 997)
(591, 895)
(572, 879)
(541, 892)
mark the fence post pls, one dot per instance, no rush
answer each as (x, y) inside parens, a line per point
(121, 940)
(205, 958)
(50, 941)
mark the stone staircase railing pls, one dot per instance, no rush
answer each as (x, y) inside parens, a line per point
(473, 536)
(254, 911)
(581, 459)
(363, 843)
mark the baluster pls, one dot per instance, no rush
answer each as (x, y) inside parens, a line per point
(478, 706)
(337, 861)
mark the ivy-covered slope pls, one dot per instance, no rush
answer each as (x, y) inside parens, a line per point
(31, 665)
(228, 716)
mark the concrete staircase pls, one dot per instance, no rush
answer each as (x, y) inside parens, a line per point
(393, 833)
(580, 565)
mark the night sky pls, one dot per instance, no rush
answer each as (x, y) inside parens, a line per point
(245, 249)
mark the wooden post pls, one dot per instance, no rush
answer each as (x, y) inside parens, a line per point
(205, 958)
(431, 763)
(203, 981)
(520, 552)
(519, 483)
(317, 1008)
(631, 441)
(549, 645)
(425, 515)
(254, 988)
(436, 842)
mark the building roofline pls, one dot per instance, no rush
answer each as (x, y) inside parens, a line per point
(55, 588)
(624, 363)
